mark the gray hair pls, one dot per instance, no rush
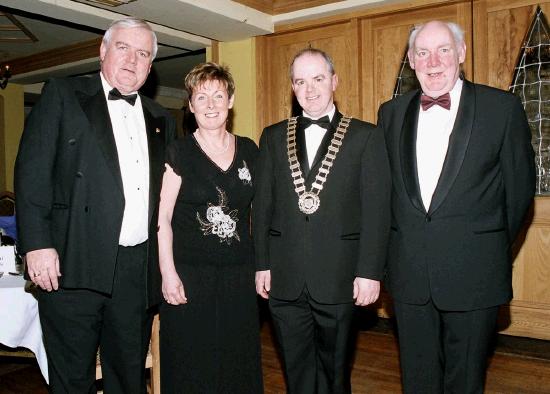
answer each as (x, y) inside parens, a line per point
(456, 30)
(130, 23)
(311, 51)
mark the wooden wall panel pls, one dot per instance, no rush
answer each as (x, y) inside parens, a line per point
(529, 312)
(498, 30)
(338, 40)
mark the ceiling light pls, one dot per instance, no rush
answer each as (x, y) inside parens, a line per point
(5, 75)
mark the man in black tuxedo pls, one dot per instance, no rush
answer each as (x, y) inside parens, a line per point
(87, 182)
(321, 222)
(462, 181)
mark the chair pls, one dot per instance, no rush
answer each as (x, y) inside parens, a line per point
(152, 362)
(7, 203)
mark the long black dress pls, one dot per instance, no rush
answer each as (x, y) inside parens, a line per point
(211, 344)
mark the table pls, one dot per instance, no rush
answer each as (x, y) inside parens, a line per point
(20, 324)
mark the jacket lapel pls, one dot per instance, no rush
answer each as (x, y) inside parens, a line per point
(155, 129)
(458, 143)
(95, 107)
(407, 149)
(301, 151)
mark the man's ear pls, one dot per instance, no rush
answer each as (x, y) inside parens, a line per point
(102, 50)
(410, 55)
(461, 52)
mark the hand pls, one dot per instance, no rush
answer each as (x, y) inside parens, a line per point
(43, 268)
(172, 289)
(263, 283)
(365, 291)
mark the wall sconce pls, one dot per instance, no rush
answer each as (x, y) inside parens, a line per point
(5, 75)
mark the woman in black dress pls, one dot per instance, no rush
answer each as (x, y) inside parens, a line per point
(209, 335)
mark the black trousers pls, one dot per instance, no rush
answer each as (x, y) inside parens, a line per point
(443, 351)
(314, 342)
(75, 322)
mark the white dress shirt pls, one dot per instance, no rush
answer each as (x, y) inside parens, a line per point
(130, 135)
(314, 135)
(432, 140)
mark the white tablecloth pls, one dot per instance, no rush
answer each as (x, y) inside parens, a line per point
(19, 321)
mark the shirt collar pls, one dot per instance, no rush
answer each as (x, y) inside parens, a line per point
(107, 87)
(455, 93)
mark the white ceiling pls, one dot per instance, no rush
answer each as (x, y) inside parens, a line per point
(184, 29)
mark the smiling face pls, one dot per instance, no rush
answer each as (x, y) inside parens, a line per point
(126, 58)
(313, 84)
(210, 103)
(436, 58)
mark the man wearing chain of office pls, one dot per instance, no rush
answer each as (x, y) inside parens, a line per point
(321, 223)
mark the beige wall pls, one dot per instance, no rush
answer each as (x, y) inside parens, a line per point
(240, 57)
(11, 128)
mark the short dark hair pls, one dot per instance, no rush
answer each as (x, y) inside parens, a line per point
(209, 72)
(311, 51)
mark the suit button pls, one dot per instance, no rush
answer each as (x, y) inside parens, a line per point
(86, 209)
(79, 174)
(428, 219)
(307, 218)
(72, 141)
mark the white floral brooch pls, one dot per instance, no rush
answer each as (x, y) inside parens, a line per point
(244, 174)
(218, 222)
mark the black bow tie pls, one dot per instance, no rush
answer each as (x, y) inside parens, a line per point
(323, 122)
(114, 94)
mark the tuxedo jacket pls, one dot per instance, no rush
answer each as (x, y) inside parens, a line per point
(457, 252)
(68, 186)
(346, 237)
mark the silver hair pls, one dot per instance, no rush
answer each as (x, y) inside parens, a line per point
(130, 23)
(311, 51)
(456, 30)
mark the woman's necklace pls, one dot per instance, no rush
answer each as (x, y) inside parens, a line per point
(212, 150)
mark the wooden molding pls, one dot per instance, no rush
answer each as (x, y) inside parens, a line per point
(262, 99)
(390, 9)
(215, 50)
(260, 5)
(524, 321)
(56, 57)
(499, 5)
(284, 6)
(275, 7)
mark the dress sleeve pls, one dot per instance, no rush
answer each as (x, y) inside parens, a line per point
(173, 157)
